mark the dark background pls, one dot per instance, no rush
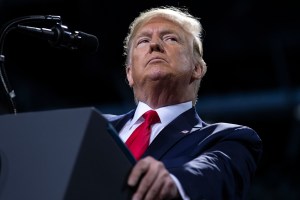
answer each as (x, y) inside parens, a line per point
(251, 47)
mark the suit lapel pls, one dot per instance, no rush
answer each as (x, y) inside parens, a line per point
(172, 133)
(121, 120)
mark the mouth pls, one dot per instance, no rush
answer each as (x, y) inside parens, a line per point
(156, 60)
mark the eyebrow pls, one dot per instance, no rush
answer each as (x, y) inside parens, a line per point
(148, 33)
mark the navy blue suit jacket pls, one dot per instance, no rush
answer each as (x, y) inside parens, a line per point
(216, 161)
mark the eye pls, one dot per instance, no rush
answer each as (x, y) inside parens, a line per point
(142, 41)
(171, 38)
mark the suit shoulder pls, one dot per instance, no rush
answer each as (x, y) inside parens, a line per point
(229, 128)
(226, 126)
(233, 131)
(112, 117)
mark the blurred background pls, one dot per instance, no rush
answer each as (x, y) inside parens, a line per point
(251, 48)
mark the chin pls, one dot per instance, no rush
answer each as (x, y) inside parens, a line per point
(157, 74)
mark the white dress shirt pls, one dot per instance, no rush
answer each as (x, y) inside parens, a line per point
(166, 115)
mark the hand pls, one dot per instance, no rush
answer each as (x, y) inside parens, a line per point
(152, 181)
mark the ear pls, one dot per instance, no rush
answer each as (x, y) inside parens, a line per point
(129, 75)
(198, 71)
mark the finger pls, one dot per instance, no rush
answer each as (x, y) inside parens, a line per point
(148, 179)
(154, 191)
(139, 169)
(143, 189)
(168, 190)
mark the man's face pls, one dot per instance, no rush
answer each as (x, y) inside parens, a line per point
(161, 52)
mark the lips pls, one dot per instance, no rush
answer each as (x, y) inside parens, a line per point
(156, 59)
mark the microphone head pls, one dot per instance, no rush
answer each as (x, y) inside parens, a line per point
(86, 42)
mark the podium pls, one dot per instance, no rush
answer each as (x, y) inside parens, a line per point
(66, 154)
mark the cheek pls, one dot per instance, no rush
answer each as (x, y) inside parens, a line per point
(138, 55)
(185, 60)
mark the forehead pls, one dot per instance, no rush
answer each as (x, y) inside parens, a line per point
(160, 23)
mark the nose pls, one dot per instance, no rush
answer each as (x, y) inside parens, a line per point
(156, 46)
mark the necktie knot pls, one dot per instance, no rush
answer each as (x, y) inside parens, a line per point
(151, 117)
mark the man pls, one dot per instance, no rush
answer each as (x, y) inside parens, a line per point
(186, 158)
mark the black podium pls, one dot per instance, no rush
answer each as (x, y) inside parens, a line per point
(65, 154)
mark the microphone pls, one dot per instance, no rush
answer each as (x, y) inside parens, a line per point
(59, 36)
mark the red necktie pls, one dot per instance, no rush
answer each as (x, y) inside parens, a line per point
(139, 139)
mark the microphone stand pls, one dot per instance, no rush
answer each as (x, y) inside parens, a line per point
(5, 30)
(4, 80)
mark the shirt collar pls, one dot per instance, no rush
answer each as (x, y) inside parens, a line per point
(166, 113)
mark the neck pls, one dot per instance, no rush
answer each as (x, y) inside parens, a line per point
(159, 96)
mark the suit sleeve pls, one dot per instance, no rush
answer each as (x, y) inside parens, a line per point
(222, 165)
